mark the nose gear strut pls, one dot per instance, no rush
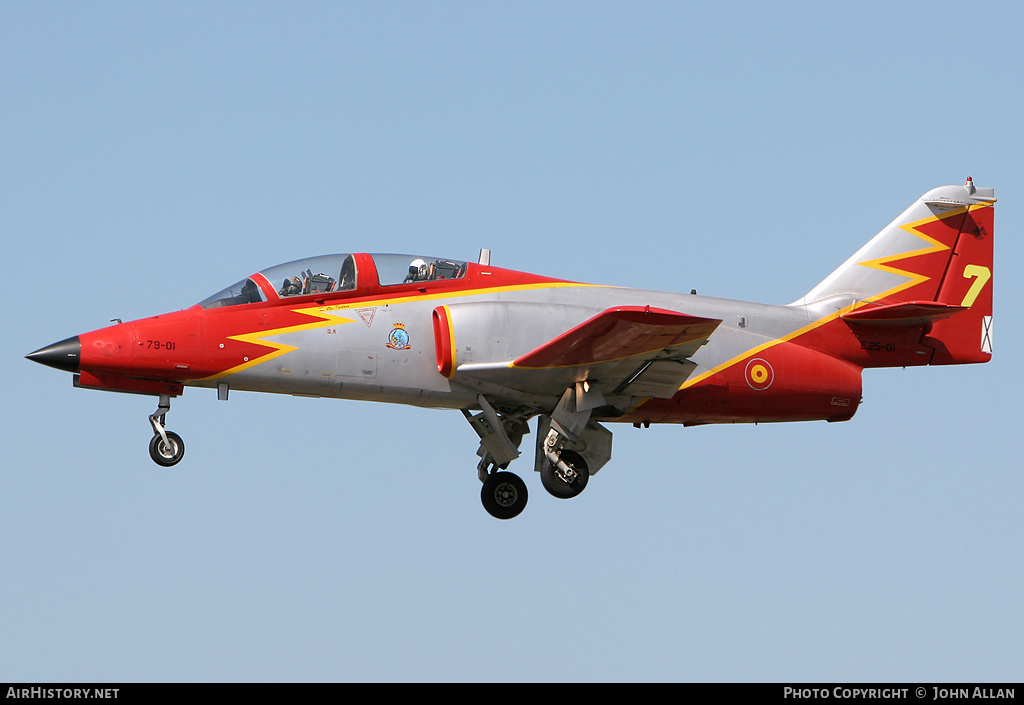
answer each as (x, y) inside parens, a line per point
(166, 448)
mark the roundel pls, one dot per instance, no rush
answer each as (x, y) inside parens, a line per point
(759, 374)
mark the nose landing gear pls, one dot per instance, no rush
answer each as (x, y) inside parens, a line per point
(166, 447)
(167, 452)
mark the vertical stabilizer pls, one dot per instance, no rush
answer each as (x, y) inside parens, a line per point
(934, 260)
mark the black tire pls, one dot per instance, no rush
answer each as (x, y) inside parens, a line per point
(558, 487)
(504, 495)
(164, 455)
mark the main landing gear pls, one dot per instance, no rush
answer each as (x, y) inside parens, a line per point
(504, 494)
(570, 447)
(568, 477)
(166, 447)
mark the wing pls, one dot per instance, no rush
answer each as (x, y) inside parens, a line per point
(636, 351)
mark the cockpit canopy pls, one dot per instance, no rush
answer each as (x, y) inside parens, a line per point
(403, 269)
(333, 273)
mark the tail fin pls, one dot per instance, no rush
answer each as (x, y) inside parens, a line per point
(931, 267)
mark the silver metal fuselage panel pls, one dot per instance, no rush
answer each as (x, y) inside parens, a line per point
(384, 350)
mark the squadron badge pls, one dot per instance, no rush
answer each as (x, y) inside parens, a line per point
(398, 338)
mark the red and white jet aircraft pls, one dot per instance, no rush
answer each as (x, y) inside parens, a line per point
(505, 347)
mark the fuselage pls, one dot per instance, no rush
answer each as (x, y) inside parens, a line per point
(377, 341)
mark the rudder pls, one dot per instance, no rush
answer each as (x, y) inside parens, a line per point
(966, 337)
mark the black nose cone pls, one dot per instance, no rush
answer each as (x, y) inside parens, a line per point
(63, 355)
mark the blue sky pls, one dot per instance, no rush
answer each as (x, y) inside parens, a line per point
(153, 154)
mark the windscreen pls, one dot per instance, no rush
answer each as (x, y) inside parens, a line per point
(244, 292)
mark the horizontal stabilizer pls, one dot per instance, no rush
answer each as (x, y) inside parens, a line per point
(909, 313)
(618, 333)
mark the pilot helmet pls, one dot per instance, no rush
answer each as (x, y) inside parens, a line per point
(291, 286)
(417, 269)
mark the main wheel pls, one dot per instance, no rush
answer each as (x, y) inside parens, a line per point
(167, 454)
(557, 485)
(504, 495)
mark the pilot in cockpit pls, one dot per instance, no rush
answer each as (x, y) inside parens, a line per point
(418, 271)
(291, 287)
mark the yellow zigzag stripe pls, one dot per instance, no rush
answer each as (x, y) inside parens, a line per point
(321, 312)
(881, 263)
(279, 349)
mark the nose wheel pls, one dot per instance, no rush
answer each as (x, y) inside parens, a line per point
(167, 452)
(166, 447)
